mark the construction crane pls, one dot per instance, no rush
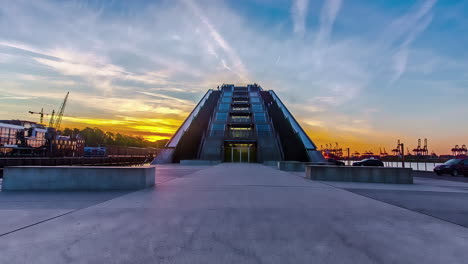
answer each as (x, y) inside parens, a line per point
(58, 120)
(51, 120)
(41, 113)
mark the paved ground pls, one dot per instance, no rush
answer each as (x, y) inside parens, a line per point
(447, 200)
(432, 175)
(234, 213)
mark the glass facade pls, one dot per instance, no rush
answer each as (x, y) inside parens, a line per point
(217, 127)
(240, 132)
(241, 126)
(243, 123)
(240, 119)
(221, 117)
(224, 107)
(240, 108)
(260, 117)
(263, 128)
(257, 108)
(255, 100)
(241, 101)
(217, 130)
(8, 135)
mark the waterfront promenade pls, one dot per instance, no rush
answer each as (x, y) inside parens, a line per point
(239, 213)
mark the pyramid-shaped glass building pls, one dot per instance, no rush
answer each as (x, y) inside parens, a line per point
(240, 124)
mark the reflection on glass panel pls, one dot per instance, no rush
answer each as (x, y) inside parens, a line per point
(221, 117)
(242, 101)
(226, 99)
(244, 94)
(240, 108)
(253, 94)
(216, 133)
(263, 133)
(227, 94)
(224, 107)
(255, 100)
(240, 118)
(263, 128)
(217, 127)
(260, 117)
(257, 107)
(240, 132)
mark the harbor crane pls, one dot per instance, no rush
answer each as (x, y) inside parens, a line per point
(425, 150)
(397, 150)
(384, 153)
(418, 150)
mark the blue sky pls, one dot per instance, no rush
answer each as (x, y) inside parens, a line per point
(361, 73)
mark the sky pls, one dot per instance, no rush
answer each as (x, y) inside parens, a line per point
(358, 72)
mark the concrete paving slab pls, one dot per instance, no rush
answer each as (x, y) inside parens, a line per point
(420, 184)
(446, 177)
(167, 172)
(243, 175)
(239, 213)
(22, 209)
(449, 206)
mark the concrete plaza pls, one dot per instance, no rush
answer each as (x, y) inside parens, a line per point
(239, 213)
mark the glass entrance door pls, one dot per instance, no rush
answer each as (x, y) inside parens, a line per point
(239, 153)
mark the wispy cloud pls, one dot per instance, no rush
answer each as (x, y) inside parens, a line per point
(328, 15)
(241, 70)
(299, 16)
(403, 31)
(16, 97)
(165, 97)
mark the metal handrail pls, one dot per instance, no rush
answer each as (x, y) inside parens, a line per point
(306, 141)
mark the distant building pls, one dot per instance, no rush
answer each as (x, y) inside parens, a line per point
(8, 134)
(240, 124)
(26, 138)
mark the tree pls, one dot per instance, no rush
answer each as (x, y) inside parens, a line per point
(67, 132)
(95, 137)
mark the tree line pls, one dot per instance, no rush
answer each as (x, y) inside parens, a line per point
(95, 137)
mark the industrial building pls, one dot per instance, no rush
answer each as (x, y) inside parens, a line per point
(240, 124)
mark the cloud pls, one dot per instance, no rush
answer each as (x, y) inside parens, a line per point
(16, 97)
(328, 15)
(402, 33)
(239, 66)
(299, 15)
(165, 97)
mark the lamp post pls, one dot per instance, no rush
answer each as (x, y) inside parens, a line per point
(349, 162)
(402, 146)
